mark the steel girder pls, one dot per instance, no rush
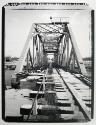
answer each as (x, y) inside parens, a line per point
(22, 58)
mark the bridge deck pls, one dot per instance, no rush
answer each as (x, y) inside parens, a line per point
(65, 97)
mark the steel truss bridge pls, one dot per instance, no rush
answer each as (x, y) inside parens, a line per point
(59, 79)
(57, 89)
(56, 38)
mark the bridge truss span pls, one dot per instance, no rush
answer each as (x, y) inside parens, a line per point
(56, 38)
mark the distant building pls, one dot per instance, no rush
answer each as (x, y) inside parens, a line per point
(10, 65)
(11, 59)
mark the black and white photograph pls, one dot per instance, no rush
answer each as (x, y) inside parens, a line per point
(48, 62)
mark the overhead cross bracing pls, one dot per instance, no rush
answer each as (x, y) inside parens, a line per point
(50, 36)
(56, 38)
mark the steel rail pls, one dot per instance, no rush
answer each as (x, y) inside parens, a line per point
(77, 98)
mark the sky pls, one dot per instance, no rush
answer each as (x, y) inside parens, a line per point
(18, 24)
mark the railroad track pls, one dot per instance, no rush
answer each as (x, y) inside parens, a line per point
(80, 93)
(65, 98)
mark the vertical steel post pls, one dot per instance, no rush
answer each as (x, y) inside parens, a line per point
(33, 51)
(30, 58)
(67, 41)
(62, 60)
(73, 61)
(44, 83)
(35, 107)
(27, 61)
(39, 46)
(58, 58)
(61, 51)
